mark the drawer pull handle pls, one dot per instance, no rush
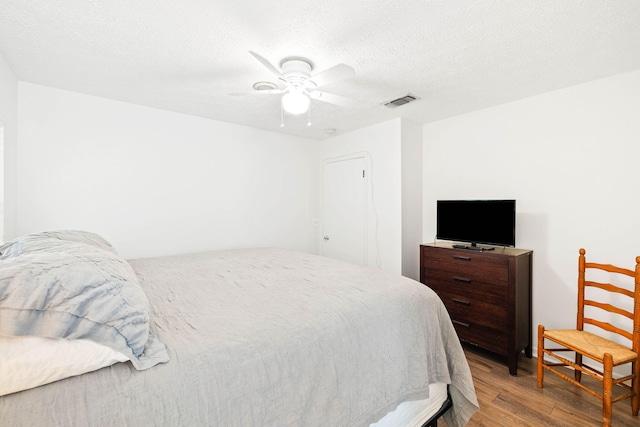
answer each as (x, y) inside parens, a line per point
(464, 258)
(461, 279)
(457, 322)
(459, 301)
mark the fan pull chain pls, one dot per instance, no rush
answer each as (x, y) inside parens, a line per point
(309, 120)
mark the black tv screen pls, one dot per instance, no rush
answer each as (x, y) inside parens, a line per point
(491, 222)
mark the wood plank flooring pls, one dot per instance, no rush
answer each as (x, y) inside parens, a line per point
(517, 401)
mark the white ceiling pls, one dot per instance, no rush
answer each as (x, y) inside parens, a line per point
(187, 56)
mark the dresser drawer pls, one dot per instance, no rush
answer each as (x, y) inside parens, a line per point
(473, 266)
(478, 291)
(470, 310)
(483, 337)
(463, 255)
(470, 273)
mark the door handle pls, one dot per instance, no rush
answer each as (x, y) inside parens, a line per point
(326, 237)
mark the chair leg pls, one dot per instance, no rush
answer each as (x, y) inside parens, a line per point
(540, 369)
(578, 373)
(635, 386)
(607, 390)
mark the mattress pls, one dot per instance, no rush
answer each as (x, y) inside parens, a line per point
(415, 413)
(268, 337)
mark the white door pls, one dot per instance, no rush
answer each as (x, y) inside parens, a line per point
(345, 214)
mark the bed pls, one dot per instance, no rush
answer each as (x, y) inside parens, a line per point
(245, 337)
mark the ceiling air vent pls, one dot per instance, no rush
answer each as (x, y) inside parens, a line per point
(401, 101)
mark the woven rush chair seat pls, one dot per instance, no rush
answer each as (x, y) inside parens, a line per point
(591, 345)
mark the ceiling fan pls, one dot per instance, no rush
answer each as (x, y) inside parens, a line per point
(301, 85)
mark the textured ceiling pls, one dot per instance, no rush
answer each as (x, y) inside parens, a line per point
(188, 56)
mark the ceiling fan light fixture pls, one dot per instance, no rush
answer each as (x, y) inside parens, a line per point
(295, 101)
(300, 84)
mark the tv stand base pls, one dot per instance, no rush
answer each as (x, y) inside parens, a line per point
(473, 247)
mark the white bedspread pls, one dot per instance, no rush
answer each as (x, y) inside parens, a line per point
(267, 337)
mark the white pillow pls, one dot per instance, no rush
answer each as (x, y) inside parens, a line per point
(27, 362)
(59, 288)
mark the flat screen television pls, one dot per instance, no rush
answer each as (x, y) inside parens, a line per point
(490, 222)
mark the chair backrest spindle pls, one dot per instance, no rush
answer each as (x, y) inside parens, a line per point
(636, 309)
(581, 262)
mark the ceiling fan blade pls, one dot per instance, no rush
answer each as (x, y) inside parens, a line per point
(330, 98)
(268, 64)
(330, 75)
(260, 92)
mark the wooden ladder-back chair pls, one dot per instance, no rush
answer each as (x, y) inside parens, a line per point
(607, 353)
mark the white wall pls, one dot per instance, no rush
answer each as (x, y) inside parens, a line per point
(8, 125)
(381, 142)
(155, 182)
(412, 166)
(570, 159)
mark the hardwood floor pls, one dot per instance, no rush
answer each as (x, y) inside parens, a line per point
(517, 401)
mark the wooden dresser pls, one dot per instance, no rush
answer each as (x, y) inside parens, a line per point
(487, 294)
